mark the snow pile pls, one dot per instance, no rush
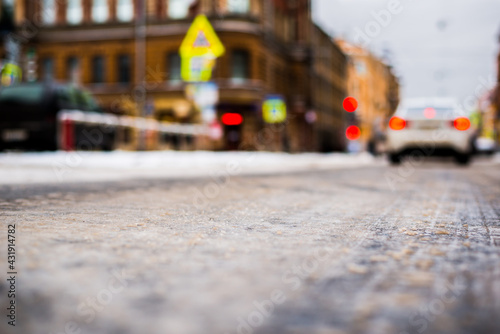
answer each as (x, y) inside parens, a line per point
(48, 167)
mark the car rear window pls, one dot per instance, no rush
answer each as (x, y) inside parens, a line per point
(430, 113)
(22, 94)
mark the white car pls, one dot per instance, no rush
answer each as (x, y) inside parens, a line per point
(430, 126)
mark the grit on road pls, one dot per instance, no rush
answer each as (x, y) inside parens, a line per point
(374, 249)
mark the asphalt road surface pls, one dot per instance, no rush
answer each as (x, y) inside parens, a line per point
(376, 249)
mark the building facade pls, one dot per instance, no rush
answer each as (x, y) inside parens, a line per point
(126, 52)
(372, 82)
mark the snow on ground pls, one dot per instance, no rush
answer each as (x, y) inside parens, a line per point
(54, 167)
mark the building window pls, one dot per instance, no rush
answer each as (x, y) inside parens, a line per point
(74, 12)
(98, 69)
(178, 9)
(72, 69)
(125, 10)
(48, 69)
(238, 6)
(263, 69)
(124, 69)
(360, 67)
(100, 11)
(240, 65)
(174, 67)
(48, 11)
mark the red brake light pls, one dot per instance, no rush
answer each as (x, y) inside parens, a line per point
(397, 123)
(232, 119)
(461, 124)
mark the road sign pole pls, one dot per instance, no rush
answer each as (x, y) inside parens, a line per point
(140, 67)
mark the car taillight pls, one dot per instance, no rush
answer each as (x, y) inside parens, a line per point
(397, 123)
(461, 124)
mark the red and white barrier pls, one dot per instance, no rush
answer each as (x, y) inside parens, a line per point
(67, 120)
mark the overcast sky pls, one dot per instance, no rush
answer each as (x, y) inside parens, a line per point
(438, 47)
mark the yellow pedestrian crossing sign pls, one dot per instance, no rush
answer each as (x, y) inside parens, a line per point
(201, 40)
(274, 109)
(195, 69)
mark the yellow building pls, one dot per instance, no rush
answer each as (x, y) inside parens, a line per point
(126, 53)
(375, 87)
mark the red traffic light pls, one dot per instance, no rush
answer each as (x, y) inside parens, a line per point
(350, 104)
(353, 132)
(232, 119)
